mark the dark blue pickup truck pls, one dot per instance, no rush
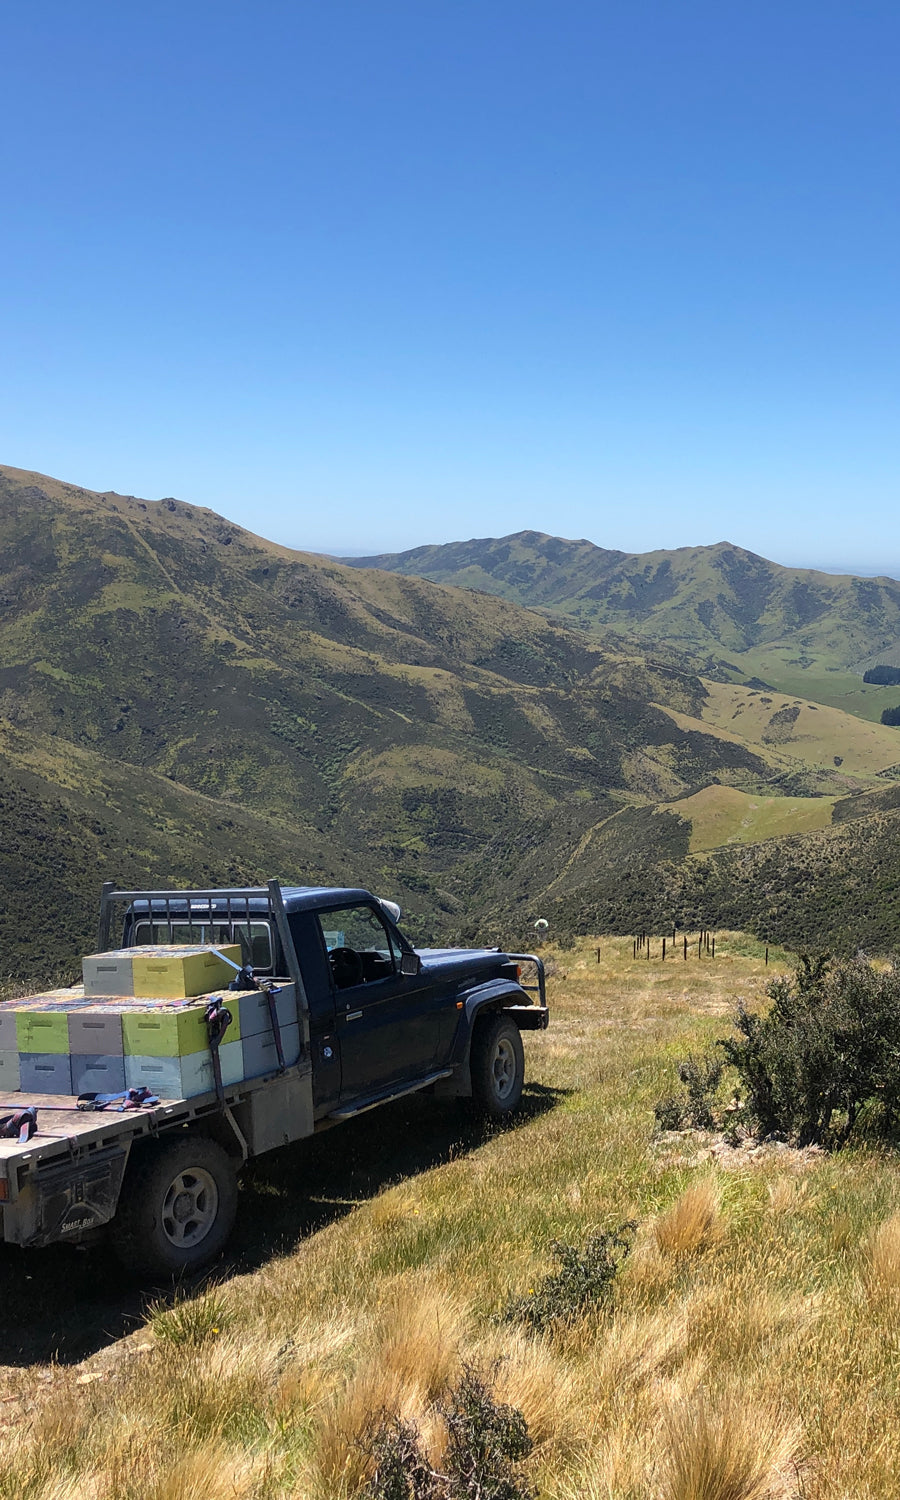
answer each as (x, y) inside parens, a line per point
(375, 1019)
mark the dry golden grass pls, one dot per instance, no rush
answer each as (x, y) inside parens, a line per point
(788, 1194)
(411, 1358)
(730, 1449)
(881, 1261)
(757, 1318)
(693, 1223)
(531, 1375)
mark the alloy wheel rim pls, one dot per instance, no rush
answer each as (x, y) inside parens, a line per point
(190, 1207)
(503, 1068)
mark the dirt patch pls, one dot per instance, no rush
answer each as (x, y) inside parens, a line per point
(688, 1148)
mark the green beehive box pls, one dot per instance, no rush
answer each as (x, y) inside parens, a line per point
(42, 1031)
(40, 1022)
(172, 1030)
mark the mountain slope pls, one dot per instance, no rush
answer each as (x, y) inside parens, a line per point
(181, 700)
(386, 728)
(784, 624)
(836, 889)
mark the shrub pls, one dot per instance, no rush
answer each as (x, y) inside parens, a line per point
(585, 1280)
(701, 1075)
(487, 1442)
(401, 1469)
(829, 1046)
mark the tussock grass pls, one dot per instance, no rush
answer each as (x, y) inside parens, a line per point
(188, 1320)
(692, 1224)
(755, 1323)
(881, 1263)
(729, 1449)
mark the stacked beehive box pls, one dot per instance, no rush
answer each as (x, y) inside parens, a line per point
(139, 1020)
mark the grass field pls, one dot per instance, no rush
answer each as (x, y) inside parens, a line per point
(723, 815)
(815, 734)
(751, 1350)
(823, 677)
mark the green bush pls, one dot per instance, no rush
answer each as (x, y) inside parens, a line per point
(701, 1075)
(585, 1280)
(828, 1048)
(487, 1441)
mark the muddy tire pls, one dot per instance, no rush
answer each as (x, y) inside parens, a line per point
(177, 1207)
(497, 1063)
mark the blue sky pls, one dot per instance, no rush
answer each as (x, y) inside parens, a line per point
(364, 274)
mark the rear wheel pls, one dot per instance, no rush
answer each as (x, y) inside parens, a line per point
(497, 1063)
(177, 1207)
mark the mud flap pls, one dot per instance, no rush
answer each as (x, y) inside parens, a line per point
(65, 1202)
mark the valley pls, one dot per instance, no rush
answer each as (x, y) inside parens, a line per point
(183, 700)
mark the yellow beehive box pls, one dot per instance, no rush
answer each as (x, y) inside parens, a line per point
(164, 973)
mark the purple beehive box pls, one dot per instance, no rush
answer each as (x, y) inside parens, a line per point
(97, 1074)
(45, 1073)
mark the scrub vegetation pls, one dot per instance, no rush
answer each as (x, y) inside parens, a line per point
(744, 1349)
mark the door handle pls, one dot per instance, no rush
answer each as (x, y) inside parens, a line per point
(353, 1015)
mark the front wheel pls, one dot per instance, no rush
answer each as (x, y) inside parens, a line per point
(497, 1063)
(177, 1208)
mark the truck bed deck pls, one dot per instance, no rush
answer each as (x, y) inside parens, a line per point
(64, 1130)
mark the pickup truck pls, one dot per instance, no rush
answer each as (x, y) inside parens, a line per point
(378, 1020)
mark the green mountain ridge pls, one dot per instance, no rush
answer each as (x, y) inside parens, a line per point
(387, 727)
(778, 623)
(181, 700)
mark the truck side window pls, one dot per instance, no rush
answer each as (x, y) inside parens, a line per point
(360, 947)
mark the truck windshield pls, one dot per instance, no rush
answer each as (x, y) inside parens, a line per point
(254, 937)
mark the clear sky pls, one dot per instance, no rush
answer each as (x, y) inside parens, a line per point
(363, 274)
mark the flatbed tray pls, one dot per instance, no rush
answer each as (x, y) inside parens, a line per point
(65, 1130)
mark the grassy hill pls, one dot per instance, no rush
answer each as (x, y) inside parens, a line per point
(182, 700)
(835, 887)
(799, 630)
(747, 1348)
(365, 726)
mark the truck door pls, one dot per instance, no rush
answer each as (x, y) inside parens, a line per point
(387, 1022)
(323, 1041)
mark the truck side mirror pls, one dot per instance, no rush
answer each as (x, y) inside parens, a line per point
(410, 963)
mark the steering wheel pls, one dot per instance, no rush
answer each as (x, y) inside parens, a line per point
(346, 967)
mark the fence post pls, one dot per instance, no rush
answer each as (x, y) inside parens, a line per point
(685, 947)
(714, 948)
(664, 949)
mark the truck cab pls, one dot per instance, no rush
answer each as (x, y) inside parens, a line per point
(381, 1015)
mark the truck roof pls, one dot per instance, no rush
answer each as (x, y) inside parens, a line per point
(295, 897)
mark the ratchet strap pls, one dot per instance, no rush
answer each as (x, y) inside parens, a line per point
(128, 1099)
(21, 1124)
(271, 993)
(218, 1020)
